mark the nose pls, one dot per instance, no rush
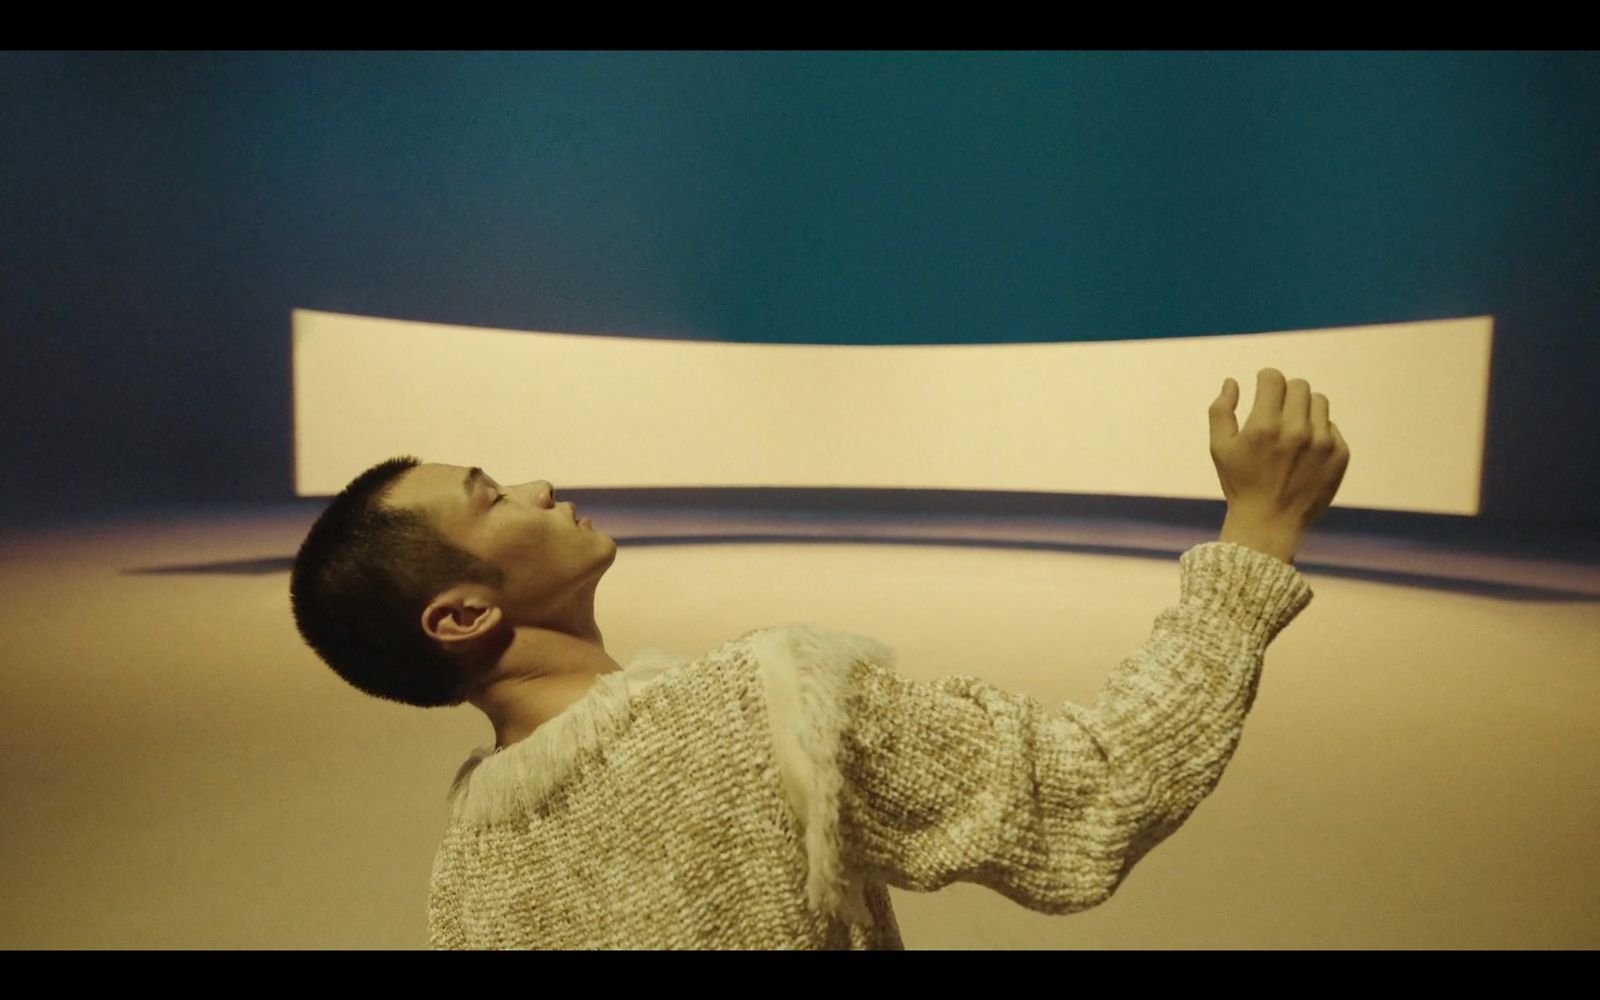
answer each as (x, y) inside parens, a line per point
(544, 493)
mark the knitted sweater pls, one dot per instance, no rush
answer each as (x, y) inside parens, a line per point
(765, 794)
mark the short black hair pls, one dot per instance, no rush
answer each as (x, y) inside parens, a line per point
(361, 580)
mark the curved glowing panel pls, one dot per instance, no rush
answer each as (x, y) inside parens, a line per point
(1124, 418)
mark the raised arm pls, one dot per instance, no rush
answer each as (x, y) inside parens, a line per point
(959, 780)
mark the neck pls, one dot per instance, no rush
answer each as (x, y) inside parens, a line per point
(541, 674)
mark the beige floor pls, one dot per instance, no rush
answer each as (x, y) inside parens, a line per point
(1419, 770)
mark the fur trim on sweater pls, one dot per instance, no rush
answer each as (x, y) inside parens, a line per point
(504, 783)
(805, 675)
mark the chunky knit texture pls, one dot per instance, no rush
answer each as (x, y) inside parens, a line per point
(764, 795)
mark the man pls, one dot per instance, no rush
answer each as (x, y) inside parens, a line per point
(514, 634)
(765, 794)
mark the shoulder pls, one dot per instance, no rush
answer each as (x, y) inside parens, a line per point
(809, 673)
(812, 649)
(801, 670)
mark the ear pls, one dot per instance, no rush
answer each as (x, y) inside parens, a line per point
(459, 617)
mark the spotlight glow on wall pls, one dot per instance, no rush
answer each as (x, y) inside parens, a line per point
(1122, 418)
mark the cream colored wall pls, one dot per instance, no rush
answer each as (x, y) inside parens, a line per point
(1125, 418)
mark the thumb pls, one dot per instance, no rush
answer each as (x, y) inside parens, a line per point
(1224, 425)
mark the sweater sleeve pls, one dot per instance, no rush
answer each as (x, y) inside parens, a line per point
(959, 780)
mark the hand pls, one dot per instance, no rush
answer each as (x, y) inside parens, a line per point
(1288, 462)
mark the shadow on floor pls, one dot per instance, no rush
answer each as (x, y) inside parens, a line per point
(1419, 580)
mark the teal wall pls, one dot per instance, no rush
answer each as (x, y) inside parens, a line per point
(165, 212)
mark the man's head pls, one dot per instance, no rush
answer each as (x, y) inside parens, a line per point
(413, 580)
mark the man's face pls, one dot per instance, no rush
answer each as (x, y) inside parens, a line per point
(547, 557)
